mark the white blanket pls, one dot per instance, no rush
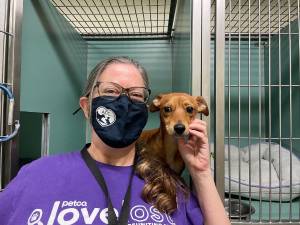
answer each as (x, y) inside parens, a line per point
(265, 173)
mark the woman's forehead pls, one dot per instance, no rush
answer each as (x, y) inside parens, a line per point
(127, 75)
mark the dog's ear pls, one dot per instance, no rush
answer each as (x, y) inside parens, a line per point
(154, 106)
(202, 105)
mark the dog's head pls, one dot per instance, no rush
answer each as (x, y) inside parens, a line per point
(177, 110)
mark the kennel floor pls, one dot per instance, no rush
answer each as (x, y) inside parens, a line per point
(275, 210)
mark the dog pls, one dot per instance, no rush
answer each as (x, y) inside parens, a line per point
(177, 110)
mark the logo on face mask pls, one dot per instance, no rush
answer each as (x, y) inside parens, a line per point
(105, 117)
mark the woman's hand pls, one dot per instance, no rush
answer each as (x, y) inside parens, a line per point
(196, 156)
(195, 152)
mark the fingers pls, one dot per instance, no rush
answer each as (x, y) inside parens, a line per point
(191, 144)
(198, 125)
(198, 131)
(198, 134)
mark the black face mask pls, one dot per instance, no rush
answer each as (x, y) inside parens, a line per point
(119, 122)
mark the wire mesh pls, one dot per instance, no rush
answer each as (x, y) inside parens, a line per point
(262, 92)
(258, 9)
(115, 18)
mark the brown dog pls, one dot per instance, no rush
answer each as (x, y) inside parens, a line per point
(177, 110)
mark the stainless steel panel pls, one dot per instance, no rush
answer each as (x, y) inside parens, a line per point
(219, 95)
(45, 134)
(196, 47)
(205, 55)
(11, 75)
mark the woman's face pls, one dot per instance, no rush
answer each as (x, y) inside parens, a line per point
(126, 75)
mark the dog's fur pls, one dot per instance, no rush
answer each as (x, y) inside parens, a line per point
(177, 110)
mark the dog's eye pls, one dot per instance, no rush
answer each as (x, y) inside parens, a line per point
(189, 109)
(167, 109)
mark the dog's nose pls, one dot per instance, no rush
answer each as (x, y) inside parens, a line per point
(179, 128)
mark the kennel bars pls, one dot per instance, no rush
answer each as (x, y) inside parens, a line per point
(261, 98)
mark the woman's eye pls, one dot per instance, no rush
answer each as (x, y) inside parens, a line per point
(137, 95)
(110, 92)
(167, 109)
(189, 109)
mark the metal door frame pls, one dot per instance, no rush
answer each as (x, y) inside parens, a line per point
(201, 74)
(10, 74)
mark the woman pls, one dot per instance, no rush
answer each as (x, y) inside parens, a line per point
(101, 184)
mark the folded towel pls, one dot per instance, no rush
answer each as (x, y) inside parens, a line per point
(269, 172)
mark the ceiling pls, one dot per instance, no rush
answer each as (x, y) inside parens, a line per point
(257, 16)
(119, 18)
(154, 18)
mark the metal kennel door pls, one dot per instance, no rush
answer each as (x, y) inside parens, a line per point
(10, 39)
(256, 59)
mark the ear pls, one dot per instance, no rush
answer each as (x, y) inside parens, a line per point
(202, 105)
(84, 105)
(154, 106)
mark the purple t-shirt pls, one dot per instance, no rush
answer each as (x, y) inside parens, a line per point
(61, 190)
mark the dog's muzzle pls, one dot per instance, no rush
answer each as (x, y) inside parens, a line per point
(179, 132)
(179, 128)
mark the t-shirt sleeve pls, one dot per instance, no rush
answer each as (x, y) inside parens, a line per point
(10, 194)
(193, 211)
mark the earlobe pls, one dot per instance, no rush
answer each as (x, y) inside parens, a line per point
(84, 105)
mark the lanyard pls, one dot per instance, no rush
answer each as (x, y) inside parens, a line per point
(112, 218)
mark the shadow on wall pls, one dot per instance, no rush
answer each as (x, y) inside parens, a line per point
(51, 30)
